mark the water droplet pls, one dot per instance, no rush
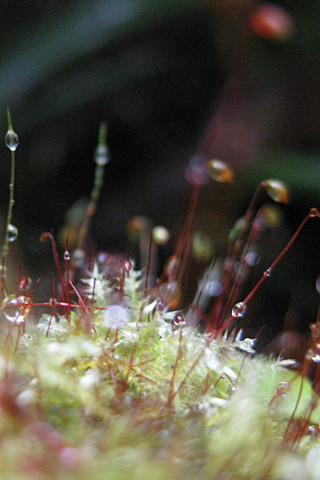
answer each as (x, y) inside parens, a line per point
(12, 233)
(101, 155)
(239, 310)
(11, 140)
(66, 256)
(282, 389)
(169, 294)
(313, 431)
(179, 319)
(277, 190)
(315, 357)
(127, 266)
(220, 171)
(268, 272)
(15, 309)
(160, 235)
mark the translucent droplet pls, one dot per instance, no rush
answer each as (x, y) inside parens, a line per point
(277, 190)
(318, 284)
(101, 155)
(160, 235)
(66, 256)
(127, 266)
(282, 389)
(239, 310)
(15, 309)
(315, 357)
(12, 233)
(220, 171)
(268, 272)
(179, 319)
(11, 140)
(313, 431)
(169, 294)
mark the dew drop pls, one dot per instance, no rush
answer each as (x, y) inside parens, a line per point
(12, 233)
(179, 319)
(66, 256)
(239, 310)
(11, 140)
(101, 155)
(220, 171)
(169, 294)
(268, 272)
(315, 357)
(15, 309)
(282, 389)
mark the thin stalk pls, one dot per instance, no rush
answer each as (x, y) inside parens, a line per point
(101, 159)
(12, 147)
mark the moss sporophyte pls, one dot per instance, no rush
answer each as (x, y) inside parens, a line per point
(122, 379)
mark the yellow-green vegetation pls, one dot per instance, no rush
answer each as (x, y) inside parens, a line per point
(115, 383)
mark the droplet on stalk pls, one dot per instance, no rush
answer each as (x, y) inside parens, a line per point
(238, 310)
(169, 294)
(11, 140)
(12, 233)
(220, 171)
(15, 309)
(101, 157)
(277, 190)
(66, 256)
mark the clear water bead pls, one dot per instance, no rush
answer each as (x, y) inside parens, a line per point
(239, 310)
(101, 155)
(15, 309)
(11, 139)
(66, 256)
(12, 233)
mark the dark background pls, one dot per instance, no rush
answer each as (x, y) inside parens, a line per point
(171, 78)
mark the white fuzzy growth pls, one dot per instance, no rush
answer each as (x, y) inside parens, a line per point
(115, 317)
